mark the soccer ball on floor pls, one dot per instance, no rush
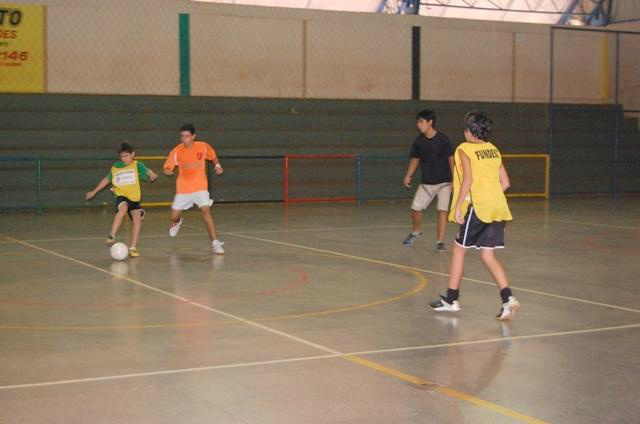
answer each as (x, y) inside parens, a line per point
(119, 251)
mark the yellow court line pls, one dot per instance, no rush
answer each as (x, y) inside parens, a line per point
(456, 394)
(418, 288)
(441, 274)
(307, 358)
(361, 361)
(422, 284)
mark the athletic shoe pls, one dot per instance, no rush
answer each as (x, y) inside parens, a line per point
(217, 247)
(411, 238)
(110, 240)
(443, 306)
(440, 248)
(175, 227)
(508, 309)
(133, 252)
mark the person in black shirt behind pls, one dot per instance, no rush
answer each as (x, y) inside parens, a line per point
(433, 151)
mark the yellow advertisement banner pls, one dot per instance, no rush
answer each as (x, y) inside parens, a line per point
(22, 50)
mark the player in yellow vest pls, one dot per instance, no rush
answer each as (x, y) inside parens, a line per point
(125, 177)
(480, 207)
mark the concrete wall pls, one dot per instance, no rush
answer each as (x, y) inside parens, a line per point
(75, 130)
(124, 47)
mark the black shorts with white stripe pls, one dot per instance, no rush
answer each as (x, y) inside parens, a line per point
(480, 235)
(131, 206)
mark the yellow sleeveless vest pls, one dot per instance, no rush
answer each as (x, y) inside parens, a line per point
(486, 195)
(126, 181)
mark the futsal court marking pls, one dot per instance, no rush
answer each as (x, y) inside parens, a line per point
(427, 271)
(596, 224)
(244, 234)
(352, 358)
(296, 230)
(145, 236)
(422, 284)
(317, 357)
(203, 232)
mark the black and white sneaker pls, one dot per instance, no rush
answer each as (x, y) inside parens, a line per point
(443, 306)
(508, 309)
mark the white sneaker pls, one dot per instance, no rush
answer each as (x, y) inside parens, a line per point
(217, 247)
(173, 230)
(443, 306)
(508, 310)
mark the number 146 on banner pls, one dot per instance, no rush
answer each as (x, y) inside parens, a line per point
(22, 48)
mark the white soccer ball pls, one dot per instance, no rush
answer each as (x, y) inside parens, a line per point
(119, 251)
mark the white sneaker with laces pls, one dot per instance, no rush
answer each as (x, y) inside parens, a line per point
(443, 306)
(217, 247)
(508, 310)
(175, 227)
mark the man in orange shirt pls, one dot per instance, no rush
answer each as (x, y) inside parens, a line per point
(192, 188)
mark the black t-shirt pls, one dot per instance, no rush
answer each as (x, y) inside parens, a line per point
(434, 158)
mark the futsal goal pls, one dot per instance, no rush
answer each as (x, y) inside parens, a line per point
(348, 177)
(321, 178)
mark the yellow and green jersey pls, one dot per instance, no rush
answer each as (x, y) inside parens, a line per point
(126, 179)
(486, 195)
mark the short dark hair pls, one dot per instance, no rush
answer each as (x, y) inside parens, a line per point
(478, 124)
(125, 147)
(188, 127)
(427, 115)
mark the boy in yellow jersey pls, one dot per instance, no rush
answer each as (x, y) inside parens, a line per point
(480, 207)
(125, 176)
(192, 187)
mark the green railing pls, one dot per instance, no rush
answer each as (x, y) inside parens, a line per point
(39, 183)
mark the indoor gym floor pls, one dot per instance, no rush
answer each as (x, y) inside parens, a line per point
(317, 313)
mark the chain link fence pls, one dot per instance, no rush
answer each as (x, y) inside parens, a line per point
(262, 83)
(594, 130)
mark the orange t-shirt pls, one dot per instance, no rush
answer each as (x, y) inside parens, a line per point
(192, 175)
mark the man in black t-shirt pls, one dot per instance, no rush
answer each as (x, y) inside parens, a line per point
(433, 151)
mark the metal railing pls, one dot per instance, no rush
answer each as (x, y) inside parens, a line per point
(39, 183)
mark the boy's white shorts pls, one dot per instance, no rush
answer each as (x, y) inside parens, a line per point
(184, 201)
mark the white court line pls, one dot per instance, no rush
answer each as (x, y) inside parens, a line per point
(427, 271)
(296, 230)
(441, 274)
(180, 298)
(311, 358)
(355, 359)
(203, 232)
(151, 236)
(595, 224)
(498, 339)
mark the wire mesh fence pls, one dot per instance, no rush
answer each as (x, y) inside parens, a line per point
(257, 83)
(594, 146)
